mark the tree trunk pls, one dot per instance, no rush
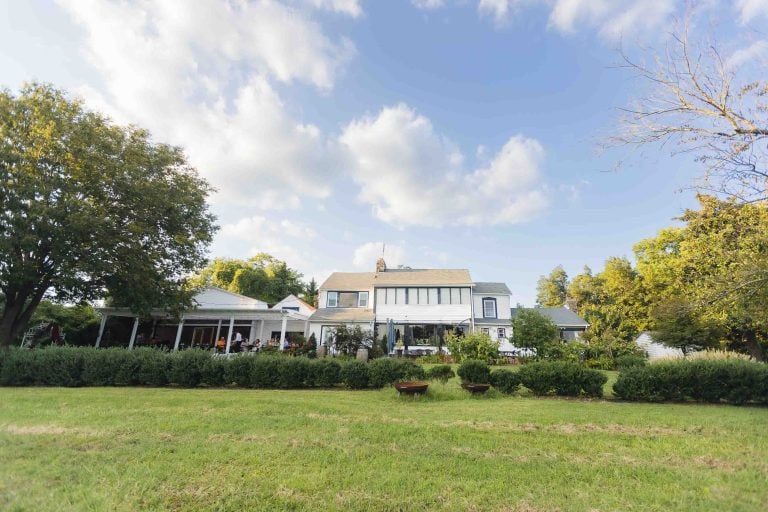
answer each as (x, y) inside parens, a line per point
(17, 312)
(753, 346)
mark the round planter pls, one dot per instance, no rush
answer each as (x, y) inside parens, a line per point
(412, 387)
(475, 388)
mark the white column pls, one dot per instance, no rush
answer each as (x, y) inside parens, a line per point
(282, 330)
(306, 328)
(133, 333)
(216, 338)
(252, 332)
(261, 332)
(231, 332)
(101, 329)
(178, 335)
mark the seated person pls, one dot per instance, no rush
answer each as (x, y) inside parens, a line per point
(221, 344)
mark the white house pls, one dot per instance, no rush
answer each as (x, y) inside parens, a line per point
(217, 313)
(654, 349)
(421, 303)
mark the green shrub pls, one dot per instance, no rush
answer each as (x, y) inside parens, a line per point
(238, 369)
(108, 367)
(475, 371)
(355, 374)
(19, 368)
(152, 366)
(293, 373)
(265, 371)
(386, 371)
(59, 366)
(729, 380)
(214, 371)
(562, 378)
(505, 381)
(441, 372)
(187, 367)
(324, 373)
(475, 345)
(630, 361)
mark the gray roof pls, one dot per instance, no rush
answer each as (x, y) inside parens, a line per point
(562, 317)
(492, 289)
(342, 315)
(397, 277)
(501, 322)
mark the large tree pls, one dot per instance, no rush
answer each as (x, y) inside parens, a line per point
(262, 277)
(89, 208)
(717, 265)
(531, 329)
(551, 290)
(703, 103)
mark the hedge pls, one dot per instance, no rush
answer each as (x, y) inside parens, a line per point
(730, 381)
(562, 378)
(505, 381)
(83, 366)
(475, 371)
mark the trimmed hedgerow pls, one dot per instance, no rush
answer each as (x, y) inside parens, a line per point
(387, 371)
(152, 366)
(264, 373)
(355, 374)
(293, 373)
(505, 381)
(109, 367)
(187, 367)
(630, 361)
(475, 371)
(324, 373)
(441, 372)
(562, 378)
(731, 381)
(238, 369)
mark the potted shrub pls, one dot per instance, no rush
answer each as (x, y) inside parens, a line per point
(412, 381)
(475, 376)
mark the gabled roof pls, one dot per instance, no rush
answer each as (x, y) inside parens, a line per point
(342, 315)
(491, 288)
(423, 277)
(351, 281)
(212, 297)
(293, 297)
(562, 317)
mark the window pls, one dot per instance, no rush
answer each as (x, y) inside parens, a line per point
(347, 299)
(502, 333)
(432, 296)
(400, 296)
(423, 296)
(445, 295)
(333, 299)
(413, 295)
(391, 296)
(486, 330)
(489, 308)
(290, 308)
(362, 300)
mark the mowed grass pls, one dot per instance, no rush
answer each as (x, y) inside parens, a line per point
(229, 449)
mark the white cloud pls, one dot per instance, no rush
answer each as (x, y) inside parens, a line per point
(428, 4)
(203, 78)
(499, 10)
(612, 18)
(251, 235)
(756, 52)
(750, 9)
(365, 255)
(349, 7)
(411, 175)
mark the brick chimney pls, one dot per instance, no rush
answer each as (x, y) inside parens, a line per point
(381, 265)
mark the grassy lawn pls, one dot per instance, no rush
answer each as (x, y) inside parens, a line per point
(216, 449)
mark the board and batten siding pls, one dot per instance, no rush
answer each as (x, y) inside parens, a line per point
(421, 313)
(503, 311)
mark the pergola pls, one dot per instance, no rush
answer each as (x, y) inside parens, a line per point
(215, 310)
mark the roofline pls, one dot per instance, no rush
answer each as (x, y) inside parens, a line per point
(234, 293)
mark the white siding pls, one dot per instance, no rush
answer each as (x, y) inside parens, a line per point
(502, 305)
(415, 313)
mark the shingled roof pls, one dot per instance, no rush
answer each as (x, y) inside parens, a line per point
(562, 317)
(397, 277)
(492, 288)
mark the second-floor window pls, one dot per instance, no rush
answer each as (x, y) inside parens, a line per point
(347, 300)
(489, 308)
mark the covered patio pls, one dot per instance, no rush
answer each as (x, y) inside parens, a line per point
(218, 314)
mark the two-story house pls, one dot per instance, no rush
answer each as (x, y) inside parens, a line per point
(423, 304)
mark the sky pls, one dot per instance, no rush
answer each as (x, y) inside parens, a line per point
(445, 133)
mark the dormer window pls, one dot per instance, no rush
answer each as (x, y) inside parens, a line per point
(347, 300)
(362, 300)
(489, 308)
(333, 299)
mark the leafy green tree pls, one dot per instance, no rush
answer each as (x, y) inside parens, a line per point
(262, 277)
(531, 329)
(474, 345)
(79, 323)
(310, 292)
(551, 290)
(90, 208)
(718, 262)
(679, 325)
(347, 340)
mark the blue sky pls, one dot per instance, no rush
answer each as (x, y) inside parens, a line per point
(460, 133)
